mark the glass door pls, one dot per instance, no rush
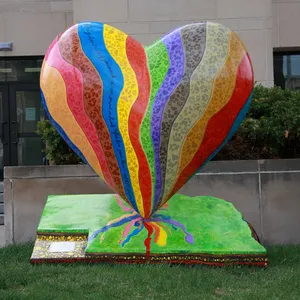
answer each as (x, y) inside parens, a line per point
(20, 110)
(4, 129)
(26, 110)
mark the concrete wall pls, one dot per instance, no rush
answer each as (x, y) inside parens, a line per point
(2, 236)
(26, 190)
(2, 230)
(286, 23)
(267, 193)
(32, 25)
(262, 24)
(1, 204)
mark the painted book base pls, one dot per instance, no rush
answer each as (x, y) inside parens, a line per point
(102, 228)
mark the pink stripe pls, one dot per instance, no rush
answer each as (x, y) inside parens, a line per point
(127, 228)
(74, 88)
(50, 48)
(121, 204)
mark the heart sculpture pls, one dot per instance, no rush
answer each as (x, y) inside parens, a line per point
(146, 118)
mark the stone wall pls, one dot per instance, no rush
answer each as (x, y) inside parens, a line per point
(267, 193)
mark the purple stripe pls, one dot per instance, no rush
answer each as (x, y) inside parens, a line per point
(175, 73)
(189, 237)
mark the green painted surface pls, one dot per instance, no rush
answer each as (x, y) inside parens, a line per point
(78, 213)
(158, 63)
(217, 227)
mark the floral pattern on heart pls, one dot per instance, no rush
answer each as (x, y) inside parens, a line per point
(146, 118)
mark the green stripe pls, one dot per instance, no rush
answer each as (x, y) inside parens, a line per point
(158, 64)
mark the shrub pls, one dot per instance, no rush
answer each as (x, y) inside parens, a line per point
(270, 130)
(57, 150)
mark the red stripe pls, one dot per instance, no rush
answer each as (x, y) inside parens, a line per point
(220, 124)
(147, 241)
(70, 48)
(74, 90)
(138, 61)
(156, 232)
(91, 108)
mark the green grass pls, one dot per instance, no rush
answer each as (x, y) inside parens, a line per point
(20, 280)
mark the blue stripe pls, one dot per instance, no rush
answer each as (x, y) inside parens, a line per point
(92, 42)
(60, 130)
(135, 232)
(107, 227)
(239, 119)
(164, 218)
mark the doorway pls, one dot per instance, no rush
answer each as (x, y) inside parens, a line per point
(20, 110)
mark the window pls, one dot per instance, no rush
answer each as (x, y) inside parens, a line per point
(20, 69)
(287, 70)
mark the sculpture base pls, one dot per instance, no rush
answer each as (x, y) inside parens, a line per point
(101, 228)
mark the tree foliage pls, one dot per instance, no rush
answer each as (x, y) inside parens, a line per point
(271, 128)
(57, 150)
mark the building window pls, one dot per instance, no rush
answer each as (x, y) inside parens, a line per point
(287, 70)
(20, 69)
(20, 110)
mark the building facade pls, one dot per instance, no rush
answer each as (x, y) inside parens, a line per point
(269, 29)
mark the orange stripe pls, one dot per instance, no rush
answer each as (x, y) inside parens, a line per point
(54, 90)
(90, 109)
(224, 86)
(221, 123)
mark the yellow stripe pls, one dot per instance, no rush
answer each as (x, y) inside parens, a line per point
(162, 236)
(115, 42)
(223, 89)
(54, 89)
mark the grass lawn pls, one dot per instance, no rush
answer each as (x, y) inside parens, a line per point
(20, 280)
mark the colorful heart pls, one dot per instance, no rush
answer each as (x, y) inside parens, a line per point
(146, 118)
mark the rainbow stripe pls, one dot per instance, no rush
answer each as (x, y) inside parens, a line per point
(134, 224)
(146, 118)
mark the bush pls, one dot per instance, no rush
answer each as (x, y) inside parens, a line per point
(57, 150)
(270, 130)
